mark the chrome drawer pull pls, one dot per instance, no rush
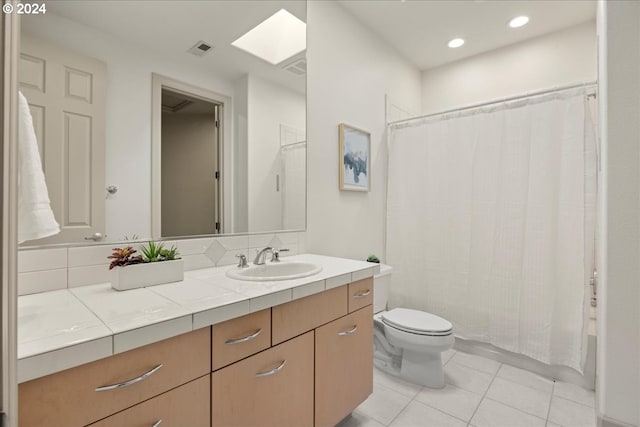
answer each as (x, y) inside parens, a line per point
(244, 339)
(362, 294)
(157, 423)
(349, 332)
(273, 371)
(130, 382)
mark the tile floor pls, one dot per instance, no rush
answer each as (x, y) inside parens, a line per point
(479, 393)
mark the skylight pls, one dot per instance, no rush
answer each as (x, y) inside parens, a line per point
(276, 39)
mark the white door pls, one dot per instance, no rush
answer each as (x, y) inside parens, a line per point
(66, 93)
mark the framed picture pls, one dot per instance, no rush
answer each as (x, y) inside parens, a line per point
(355, 159)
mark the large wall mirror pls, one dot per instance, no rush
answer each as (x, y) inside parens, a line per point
(168, 119)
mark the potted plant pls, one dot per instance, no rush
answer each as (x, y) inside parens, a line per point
(155, 266)
(373, 258)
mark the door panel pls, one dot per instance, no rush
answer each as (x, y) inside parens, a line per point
(273, 388)
(343, 351)
(66, 94)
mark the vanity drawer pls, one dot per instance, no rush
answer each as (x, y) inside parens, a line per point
(302, 315)
(238, 338)
(70, 398)
(360, 294)
(273, 388)
(187, 405)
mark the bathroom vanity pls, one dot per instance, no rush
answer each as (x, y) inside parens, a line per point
(301, 362)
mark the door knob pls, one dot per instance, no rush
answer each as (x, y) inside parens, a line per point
(96, 237)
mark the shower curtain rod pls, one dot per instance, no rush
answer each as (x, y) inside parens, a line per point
(293, 144)
(498, 101)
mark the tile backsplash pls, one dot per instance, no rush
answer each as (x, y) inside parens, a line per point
(41, 270)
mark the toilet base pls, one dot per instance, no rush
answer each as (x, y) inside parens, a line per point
(397, 355)
(422, 368)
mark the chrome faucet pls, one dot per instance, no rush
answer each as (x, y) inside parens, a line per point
(242, 261)
(261, 255)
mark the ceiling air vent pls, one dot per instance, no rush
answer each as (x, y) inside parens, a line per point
(200, 48)
(299, 67)
(296, 64)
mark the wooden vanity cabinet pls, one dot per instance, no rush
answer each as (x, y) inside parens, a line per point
(303, 363)
(187, 405)
(343, 366)
(73, 397)
(271, 388)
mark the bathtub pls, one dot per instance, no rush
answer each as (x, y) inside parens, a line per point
(562, 373)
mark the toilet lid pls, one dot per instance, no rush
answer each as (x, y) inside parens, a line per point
(418, 322)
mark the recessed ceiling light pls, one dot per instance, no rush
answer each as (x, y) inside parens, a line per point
(519, 21)
(455, 43)
(279, 37)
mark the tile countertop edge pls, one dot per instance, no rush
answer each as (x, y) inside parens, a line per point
(43, 364)
(54, 360)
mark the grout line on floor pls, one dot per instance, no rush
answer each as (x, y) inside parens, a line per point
(553, 388)
(440, 410)
(574, 400)
(485, 393)
(401, 411)
(474, 367)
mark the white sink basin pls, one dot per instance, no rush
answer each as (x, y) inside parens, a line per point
(283, 270)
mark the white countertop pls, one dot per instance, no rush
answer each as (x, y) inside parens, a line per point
(61, 329)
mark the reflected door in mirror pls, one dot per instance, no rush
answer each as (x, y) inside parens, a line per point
(66, 94)
(190, 143)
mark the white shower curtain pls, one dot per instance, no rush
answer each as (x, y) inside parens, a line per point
(487, 211)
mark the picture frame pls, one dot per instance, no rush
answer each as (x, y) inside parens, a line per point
(354, 162)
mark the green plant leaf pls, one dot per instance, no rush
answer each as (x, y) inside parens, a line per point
(151, 252)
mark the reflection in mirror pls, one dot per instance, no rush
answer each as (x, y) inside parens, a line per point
(94, 74)
(189, 142)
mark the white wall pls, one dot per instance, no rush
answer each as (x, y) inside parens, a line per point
(619, 299)
(128, 135)
(349, 72)
(557, 59)
(270, 106)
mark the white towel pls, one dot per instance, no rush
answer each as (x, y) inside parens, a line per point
(35, 217)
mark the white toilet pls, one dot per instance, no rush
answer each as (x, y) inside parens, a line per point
(408, 343)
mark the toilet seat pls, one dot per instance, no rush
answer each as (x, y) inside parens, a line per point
(417, 322)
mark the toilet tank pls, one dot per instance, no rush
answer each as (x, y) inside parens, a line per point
(381, 286)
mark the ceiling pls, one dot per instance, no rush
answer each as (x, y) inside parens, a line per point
(420, 29)
(170, 28)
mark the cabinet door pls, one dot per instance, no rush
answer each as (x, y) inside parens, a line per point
(272, 388)
(88, 393)
(344, 366)
(187, 405)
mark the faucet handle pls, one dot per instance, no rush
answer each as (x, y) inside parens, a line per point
(275, 257)
(242, 261)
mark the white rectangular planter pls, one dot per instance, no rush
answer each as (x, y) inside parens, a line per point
(147, 274)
